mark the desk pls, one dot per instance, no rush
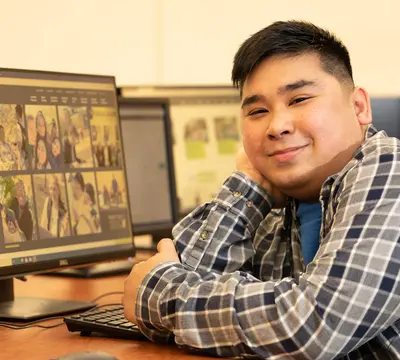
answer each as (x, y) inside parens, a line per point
(44, 344)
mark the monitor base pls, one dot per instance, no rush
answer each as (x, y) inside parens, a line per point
(99, 270)
(28, 309)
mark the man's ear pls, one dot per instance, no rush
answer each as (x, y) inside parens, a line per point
(362, 106)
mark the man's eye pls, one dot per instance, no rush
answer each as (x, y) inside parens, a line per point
(258, 111)
(298, 100)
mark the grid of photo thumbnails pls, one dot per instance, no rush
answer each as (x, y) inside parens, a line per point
(60, 168)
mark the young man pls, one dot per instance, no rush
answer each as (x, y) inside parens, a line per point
(298, 255)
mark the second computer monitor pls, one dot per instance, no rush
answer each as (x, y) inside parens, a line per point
(149, 165)
(206, 133)
(386, 114)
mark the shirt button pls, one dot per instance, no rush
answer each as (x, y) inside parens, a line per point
(237, 194)
(249, 203)
(204, 235)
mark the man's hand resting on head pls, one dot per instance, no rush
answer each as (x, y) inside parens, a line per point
(244, 165)
(166, 252)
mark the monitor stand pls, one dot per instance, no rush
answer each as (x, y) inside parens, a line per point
(28, 309)
(99, 270)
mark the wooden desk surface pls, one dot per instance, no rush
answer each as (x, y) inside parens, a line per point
(44, 344)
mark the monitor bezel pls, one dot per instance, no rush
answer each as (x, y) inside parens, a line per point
(19, 270)
(158, 229)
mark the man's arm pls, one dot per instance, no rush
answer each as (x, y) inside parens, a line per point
(218, 236)
(348, 295)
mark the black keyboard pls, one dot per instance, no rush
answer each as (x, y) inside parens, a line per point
(108, 322)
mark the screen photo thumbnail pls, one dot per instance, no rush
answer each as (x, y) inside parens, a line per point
(51, 205)
(83, 203)
(44, 145)
(112, 189)
(13, 138)
(113, 200)
(17, 210)
(75, 131)
(106, 137)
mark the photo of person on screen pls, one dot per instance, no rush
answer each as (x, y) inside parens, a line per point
(19, 119)
(7, 157)
(13, 141)
(113, 199)
(55, 158)
(32, 135)
(21, 206)
(82, 195)
(105, 138)
(41, 127)
(70, 157)
(90, 214)
(11, 231)
(113, 189)
(54, 220)
(75, 127)
(20, 155)
(41, 160)
(42, 130)
(21, 137)
(53, 132)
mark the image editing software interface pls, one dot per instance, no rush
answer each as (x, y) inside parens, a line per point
(63, 192)
(149, 166)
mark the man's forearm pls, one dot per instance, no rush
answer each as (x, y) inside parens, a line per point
(218, 235)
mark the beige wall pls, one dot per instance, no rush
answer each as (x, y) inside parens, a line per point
(187, 41)
(201, 36)
(117, 37)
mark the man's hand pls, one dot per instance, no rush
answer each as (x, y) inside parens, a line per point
(166, 252)
(244, 165)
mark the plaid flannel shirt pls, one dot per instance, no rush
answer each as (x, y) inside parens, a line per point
(242, 289)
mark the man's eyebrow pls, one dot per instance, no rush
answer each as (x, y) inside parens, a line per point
(282, 90)
(252, 99)
(296, 86)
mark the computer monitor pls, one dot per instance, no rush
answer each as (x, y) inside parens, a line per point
(206, 137)
(149, 166)
(63, 194)
(386, 114)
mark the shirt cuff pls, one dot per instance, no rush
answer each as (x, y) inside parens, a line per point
(245, 198)
(148, 316)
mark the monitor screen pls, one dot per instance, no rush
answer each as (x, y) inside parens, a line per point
(206, 137)
(149, 165)
(386, 115)
(63, 193)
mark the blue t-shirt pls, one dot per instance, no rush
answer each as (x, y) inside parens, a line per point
(309, 216)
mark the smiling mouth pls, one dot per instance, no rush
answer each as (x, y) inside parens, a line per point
(288, 150)
(287, 154)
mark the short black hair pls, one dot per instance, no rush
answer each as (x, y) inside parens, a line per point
(292, 38)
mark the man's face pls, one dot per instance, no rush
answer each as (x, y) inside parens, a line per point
(292, 103)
